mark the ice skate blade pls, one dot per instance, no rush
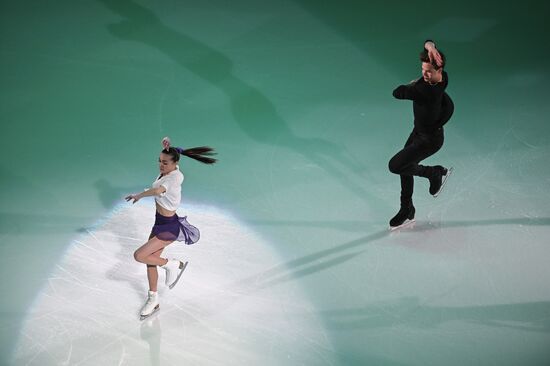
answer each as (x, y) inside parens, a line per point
(182, 268)
(143, 317)
(443, 181)
(407, 224)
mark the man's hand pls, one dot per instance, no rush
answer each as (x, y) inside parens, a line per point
(433, 54)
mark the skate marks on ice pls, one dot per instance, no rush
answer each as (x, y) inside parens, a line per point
(309, 264)
(341, 253)
(447, 224)
(412, 312)
(88, 313)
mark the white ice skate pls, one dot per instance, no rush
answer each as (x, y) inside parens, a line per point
(151, 306)
(444, 180)
(174, 269)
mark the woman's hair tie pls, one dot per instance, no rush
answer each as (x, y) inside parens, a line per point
(202, 153)
(166, 143)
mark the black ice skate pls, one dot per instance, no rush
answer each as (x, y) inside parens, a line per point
(404, 218)
(438, 179)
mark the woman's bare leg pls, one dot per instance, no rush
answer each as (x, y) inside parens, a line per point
(152, 273)
(149, 254)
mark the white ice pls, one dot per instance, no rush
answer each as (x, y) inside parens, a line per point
(226, 309)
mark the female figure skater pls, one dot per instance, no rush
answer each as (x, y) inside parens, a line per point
(168, 226)
(432, 108)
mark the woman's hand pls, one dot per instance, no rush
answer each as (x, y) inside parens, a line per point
(135, 197)
(147, 193)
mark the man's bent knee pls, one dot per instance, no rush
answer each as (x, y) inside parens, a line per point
(394, 167)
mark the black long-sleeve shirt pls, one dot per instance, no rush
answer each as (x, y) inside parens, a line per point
(430, 103)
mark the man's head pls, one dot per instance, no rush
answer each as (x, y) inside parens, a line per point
(431, 72)
(424, 57)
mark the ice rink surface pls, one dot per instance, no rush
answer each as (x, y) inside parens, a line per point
(296, 265)
(224, 307)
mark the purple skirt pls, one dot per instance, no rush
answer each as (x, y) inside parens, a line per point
(174, 228)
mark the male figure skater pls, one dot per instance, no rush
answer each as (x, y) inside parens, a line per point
(432, 108)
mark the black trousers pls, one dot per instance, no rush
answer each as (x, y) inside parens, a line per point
(418, 147)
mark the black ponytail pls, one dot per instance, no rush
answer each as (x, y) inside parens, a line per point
(201, 153)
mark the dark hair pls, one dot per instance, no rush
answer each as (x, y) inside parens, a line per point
(201, 153)
(425, 58)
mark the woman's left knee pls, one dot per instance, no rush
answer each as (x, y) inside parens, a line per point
(138, 256)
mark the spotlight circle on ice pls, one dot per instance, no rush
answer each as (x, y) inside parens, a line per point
(232, 301)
